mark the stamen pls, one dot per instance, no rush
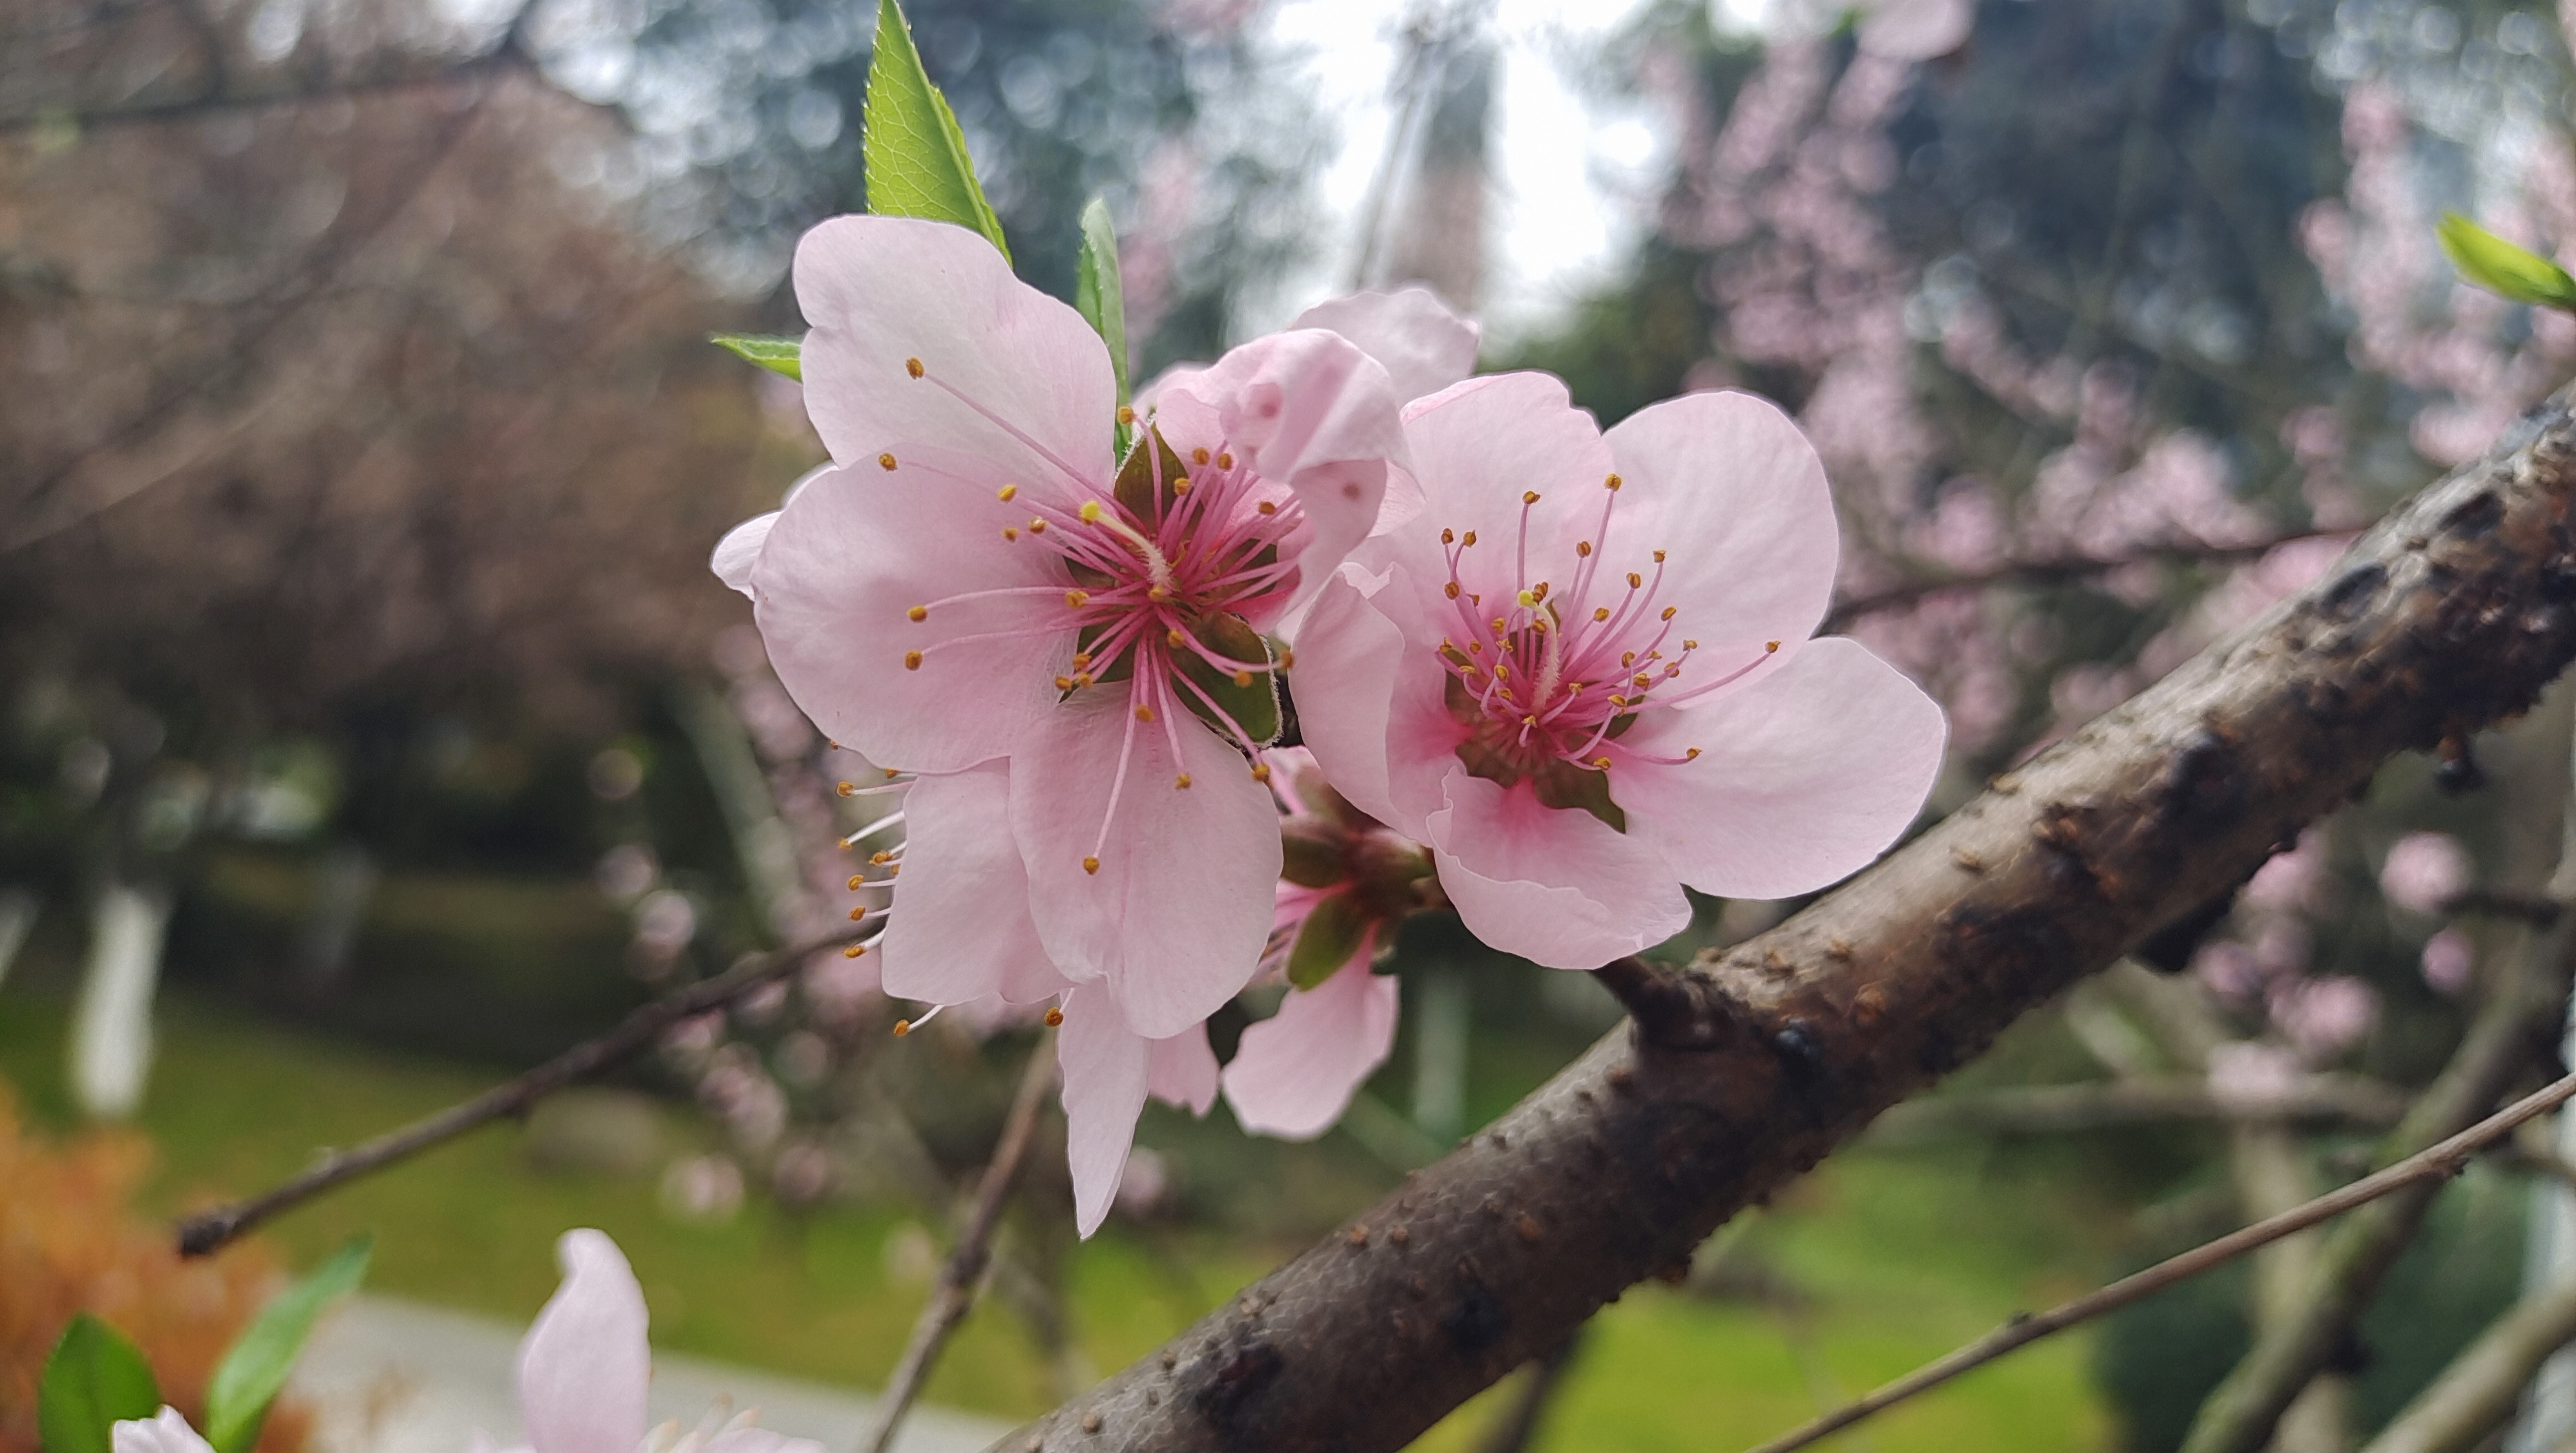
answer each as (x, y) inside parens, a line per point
(1182, 781)
(1007, 493)
(1055, 1016)
(912, 366)
(885, 461)
(912, 660)
(918, 613)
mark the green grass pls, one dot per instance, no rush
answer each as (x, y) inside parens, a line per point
(1891, 1259)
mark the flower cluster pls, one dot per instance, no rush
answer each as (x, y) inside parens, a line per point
(1568, 672)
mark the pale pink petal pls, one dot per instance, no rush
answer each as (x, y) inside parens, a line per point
(960, 928)
(1554, 885)
(850, 556)
(1105, 1074)
(1917, 30)
(1801, 780)
(1177, 914)
(1307, 410)
(1423, 346)
(165, 1432)
(739, 549)
(1370, 704)
(1182, 1070)
(1727, 485)
(1149, 395)
(882, 292)
(584, 1363)
(1297, 1070)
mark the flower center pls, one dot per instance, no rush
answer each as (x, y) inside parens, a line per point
(1546, 680)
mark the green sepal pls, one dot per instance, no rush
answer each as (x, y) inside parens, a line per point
(252, 1373)
(1144, 487)
(1102, 299)
(2498, 266)
(1563, 784)
(1310, 853)
(1333, 932)
(94, 1380)
(1254, 705)
(778, 355)
(916, 159)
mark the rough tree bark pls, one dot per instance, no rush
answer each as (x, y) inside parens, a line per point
(2450, 614)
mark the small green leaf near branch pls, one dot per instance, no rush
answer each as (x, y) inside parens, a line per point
(2498, 266)
(917, 164)
(94, 1380)
(251, 1375)
(778, 355)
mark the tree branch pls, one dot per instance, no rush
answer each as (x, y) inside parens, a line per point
(955, 1293)
(2429, 1168)
(2060, 1109)
(2450, 614)
(2482, 1387)
(209, 1231)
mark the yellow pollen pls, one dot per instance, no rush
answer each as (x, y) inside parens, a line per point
(1601, 613)
(1670, 611)
(1539, 590)
(1090, 512)
(854, 950)
(1243, 678)
(1690, 645)
(1627, 658)
(1611, 482)
(1475, 648)
(1770, 646)
(1091, 865)
(1037, 527)
(1617, 700)
(858, 913)
(1126, 415)
(1672, 671)
(1575, 688)
(912, 366)
(902, 1027)
(1007, 493)
(1498, 623)
(918, 613)
(1054, 1016)
(1180, 486)
(1010, 532)
(890, 774)
(1173, 638)
(1691, 756)
(912, 660)
(1081, 660)
(1225, 461)
(1082, 678)
(893, 868)
(1641, 681)
(1064, 683)
(845, 788)
(1182, 781)
(1450, 590)
(1144, 712)
(1527, 598)
(1077, 599)
(1467, 539)
(1529, 496)
(857, 882)
(1529, 721)
(1261, 771)
(1198, 456)
(1267, 507)
(1156, 592)
(881, 859)
(1582, 549)
(1601, 762)
(1448, 537)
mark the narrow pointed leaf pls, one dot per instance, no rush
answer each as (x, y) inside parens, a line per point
(1097, 293)
(778, 355)
(94, 1381)
(1144, 486)
(1252, 700)
(917, 165)
(1331, 934)
(254, 1371)
(2500, 267)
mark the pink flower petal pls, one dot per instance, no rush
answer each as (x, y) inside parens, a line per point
(584, 1364)
(1370, 704)
(1177, 914)
(758, 1440)
(850, 556)
(1917, 30)
(961, 927)
(1423, 346)
(1801, 780)
(1105, 1068)
(165, 1432)
(1181, 1070)
(1307, 410)
(1297, 1070)
(882, 292)
(740, 549)
(1477, 447)
(1733, 492)
(1555, 885)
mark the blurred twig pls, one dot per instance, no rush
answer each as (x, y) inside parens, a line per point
(954, 1294)
(2056, 1109)
(2058, 569)
(2427, 1168)
(209, 1231)
(2482, 1387)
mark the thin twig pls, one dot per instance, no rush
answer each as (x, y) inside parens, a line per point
(2057, 569)
(955, 1294)
(209, 1231)
(2439, 1162)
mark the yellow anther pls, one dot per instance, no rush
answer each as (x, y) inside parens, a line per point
(1601, 613)
(1077, 599)
(1450, 590)
(1243, 678)
(1157, 593)
(1054, 1016)
(1261, 771)
(912, 366)
(1010, 532)
(918, 613)
(1601, 762)
(857, 882)
(1529, 721)
(885, 461)
(1091, 865)
(1267, 507)
(1126, 415)
(1180, 486)
(881, 859)
(893, 868)
(1627, 658)
(1611, 482)
(1287, 658)
(1635, 580)
(912, 660)
(1064, 683)
(854, 951)
(1497, 623)
(1090, 512)
(858, 913)
(891, 774)
(1670, 611)
(1198, 456)
(1617, 700)
(1081, 660)
(1082, 679)
(1037, 527)
(1225, 461)
(1144, 712)
(1182, 781)
(1529, 496)
(1691, 756)
(1173, 638)
(1690, 645)
(1582, 548)
(902, 1027)
(1448, 537)
(1770, 646)
(845, 788)
(1641, 681)
(1539, 590)
(1659, 557)
(1468, 538)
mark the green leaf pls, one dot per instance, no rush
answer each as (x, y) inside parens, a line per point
(1100, 298)
(916, 157)
(1253, 701)
(94, 1381)
(252, 1373)
(1332, 933)
(778, 355)
(2500, 267)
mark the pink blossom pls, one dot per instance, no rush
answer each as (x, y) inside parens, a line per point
(167, 1432)
(2448, 958)
(1295, 1072)
(2229, 969)
(584, 1366)
(1108, 1070)
(2325, 1016)
(1584, 678)
(967, 586)
(1915, 30)
(2423, 871)
(2289, 882)
(2244, 1073)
